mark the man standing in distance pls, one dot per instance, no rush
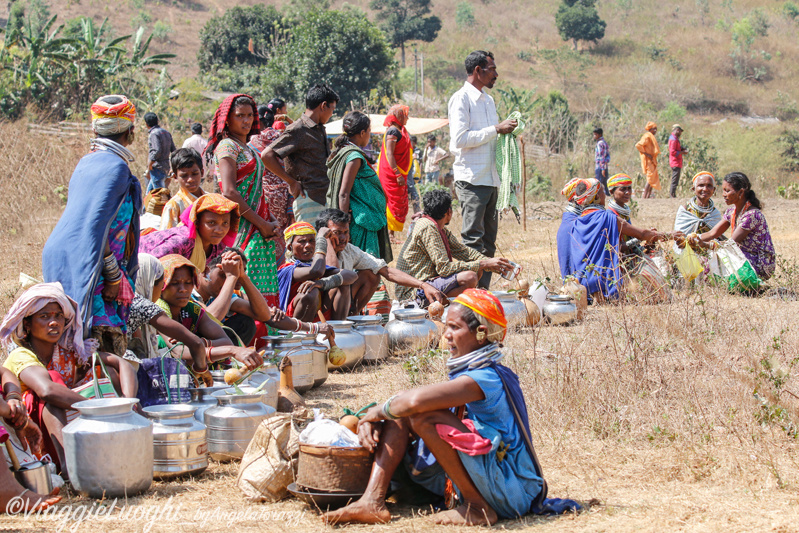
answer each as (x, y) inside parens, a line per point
(602, 158)
(304, 149)
(676, 152)
(474, 126)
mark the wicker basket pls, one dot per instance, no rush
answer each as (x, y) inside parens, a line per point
(334, 469)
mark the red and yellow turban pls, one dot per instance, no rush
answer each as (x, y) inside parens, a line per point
(298, 228)
(112, 114)
(569, 188)
(591, 189)
(488, 310)
(704, 173)
(620, 180)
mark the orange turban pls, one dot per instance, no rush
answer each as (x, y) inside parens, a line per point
(704, 173)
(620, 180)
(650, 126)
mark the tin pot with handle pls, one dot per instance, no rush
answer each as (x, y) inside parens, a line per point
(232, 423)
(411, 331)
(179, 441)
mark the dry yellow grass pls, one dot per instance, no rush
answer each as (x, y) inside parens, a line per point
(647, 409)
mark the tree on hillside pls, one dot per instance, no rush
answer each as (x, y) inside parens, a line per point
(341, 48)
(230, 39)
(405, 20)
(578, 20)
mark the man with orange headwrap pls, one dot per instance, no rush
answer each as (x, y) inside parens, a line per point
(474, 127)
(93, 250)
(488, 454)
(649, 150)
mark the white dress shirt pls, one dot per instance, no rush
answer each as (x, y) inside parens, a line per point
(197, 142)
(473, 137)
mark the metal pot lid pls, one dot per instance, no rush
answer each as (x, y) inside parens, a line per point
(166, 411)
(232, 395)
(364, 320)
(409, 314)
(552, 297)
(340, 325)
(504, 294)
(106, 406)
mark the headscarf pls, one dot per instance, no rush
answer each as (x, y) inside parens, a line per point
(32, 301)
(216, 203)
(650, 126)
(217, 131)
(112, 119)
(298, 228)
(488, 311)
(150, 271)
(397, 114)
(171, 263)
(620, 180)
(704, 173)
(592, 188)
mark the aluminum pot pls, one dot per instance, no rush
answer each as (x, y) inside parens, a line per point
(109, 449)
(320, 352)
(232, 423)
(515, 310)
(411, 331)
(35, 476)
(202, 399)
(348, 340)
(560, 309)
(269, 389)
(301, 359)
(375, 336)
(179, 443)
(219, 378)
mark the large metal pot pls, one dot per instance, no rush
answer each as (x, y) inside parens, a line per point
(232, 423)
(515, 311)
(375, 336)
(348, 340)
(202, 399)
(109, 449)
(301, 359)
(179, 444)
(411, 331)
(320, 352)
(560, 309)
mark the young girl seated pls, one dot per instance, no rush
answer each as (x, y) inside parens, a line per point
(43, 334)
(208, 227)
(180, 278)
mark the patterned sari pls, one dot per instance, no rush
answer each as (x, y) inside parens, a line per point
(396, 195)
(260, 252)
(276, 191)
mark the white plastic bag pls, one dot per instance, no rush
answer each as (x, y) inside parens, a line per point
(326, 432)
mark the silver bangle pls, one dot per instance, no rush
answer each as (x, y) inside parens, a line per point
(386, 409)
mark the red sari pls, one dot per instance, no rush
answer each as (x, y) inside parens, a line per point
(396, 195)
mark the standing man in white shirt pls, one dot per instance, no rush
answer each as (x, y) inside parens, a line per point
(474, 126)
(196, 141)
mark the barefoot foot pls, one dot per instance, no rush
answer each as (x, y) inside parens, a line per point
(360, 512)
(466, 515)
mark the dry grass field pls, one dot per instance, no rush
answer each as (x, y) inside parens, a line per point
(649, 410)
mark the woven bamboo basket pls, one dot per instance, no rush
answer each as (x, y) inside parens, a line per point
(334, 469)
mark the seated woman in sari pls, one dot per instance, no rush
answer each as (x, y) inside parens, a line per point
(180, 278)
(488, 455)
(356, 190)
(700, 214)
(43, 334)
(749, 227)
(589, 243)
(209, 226)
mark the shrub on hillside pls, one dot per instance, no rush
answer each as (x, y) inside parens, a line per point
(233, 38)
(552, 122)
(789, 142)
(464, 15)
(578, 20)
